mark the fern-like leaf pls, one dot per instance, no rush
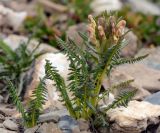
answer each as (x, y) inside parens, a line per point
(52, 74)
(122, 100)
(129, 61)
(36, 104)
(117, 86)
(16, 100)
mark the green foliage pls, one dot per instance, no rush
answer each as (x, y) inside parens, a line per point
(89, 67)
(13, 64)
(121, 100)
(78, 10)
(39, 28)
(81, 8)
(30, 116)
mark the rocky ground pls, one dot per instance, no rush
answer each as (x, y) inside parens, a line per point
(143, 113)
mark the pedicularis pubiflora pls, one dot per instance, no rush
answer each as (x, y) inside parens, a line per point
(89, 66)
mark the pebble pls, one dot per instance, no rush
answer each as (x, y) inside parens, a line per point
(10, 125)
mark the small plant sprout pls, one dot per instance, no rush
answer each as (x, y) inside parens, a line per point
(31, 114)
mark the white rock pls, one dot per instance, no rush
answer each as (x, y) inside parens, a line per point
(10, 125)
(144, 6)
(10, 18)
(2, 130)
(135, 118)
(14, 41)
(109, 5)
(59, 61)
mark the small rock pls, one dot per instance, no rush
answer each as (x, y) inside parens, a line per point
(154, 98)
(1, 125)
(1, 99)
(144, 6)
(85, 132)
(51, 7)
(2, 130)
(59, 61)
(49, 128)
(18, 40)
(53, 116)
(10, 125)
(131, 48)
(20, 6)
(72, 32)
(31, 130)
(2, 118)
(67, 124)
(135, 118)
(5, 110)
(49, 117)
(153, 60)
(76, 130)
(99, 6)
(83, 125)
(10, 18)
(144, 76)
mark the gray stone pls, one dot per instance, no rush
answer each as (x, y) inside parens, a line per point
(53, 116)
(1, 99)
(124, 73)
(99, 6)
(1, 125)
(67, 124)
(144, 6)
(131, 48)
(144, 76)
(76, 130)
(59, 61)
(20, 5)
(85, 132)
(72, 32)
(31, 130)
(6, 111)
(49, 117)
(49, 128)
(2, 130)
(135, 118)
(2, 118)
(83, 125)
(153, 60)
(10, 125)
(11, 18)
(18, 40)
(154, 98)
